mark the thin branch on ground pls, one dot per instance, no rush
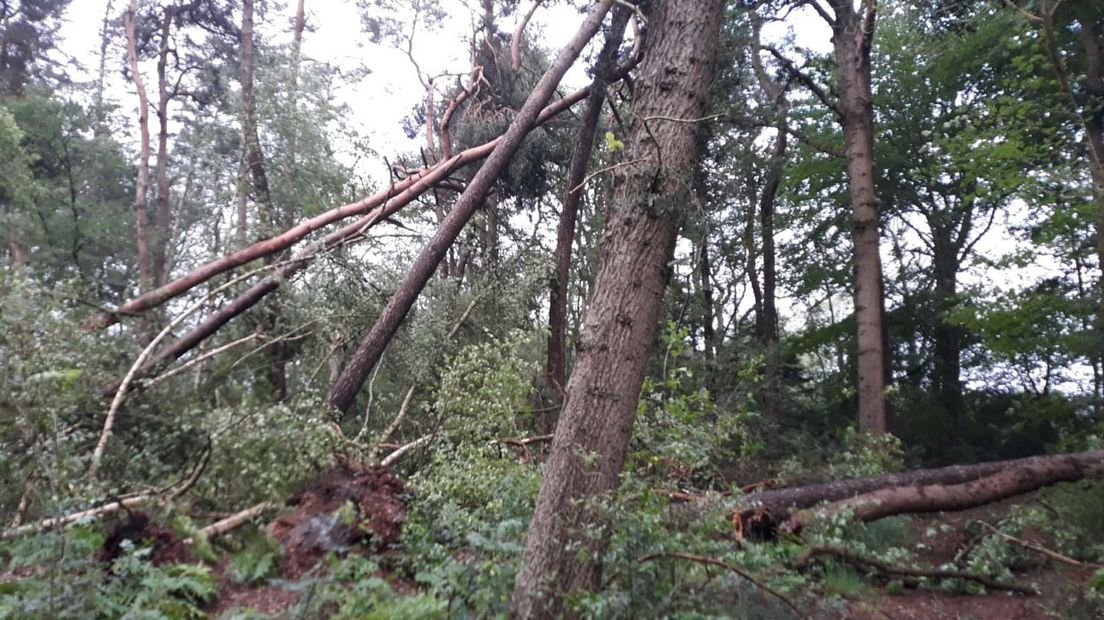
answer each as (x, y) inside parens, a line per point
(734, 569)
(817, 553)
(1054, 555)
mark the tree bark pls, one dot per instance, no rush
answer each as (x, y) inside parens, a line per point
(619, 328)
(141, 206)
(343, 393)
(853, 32)
(556, 365)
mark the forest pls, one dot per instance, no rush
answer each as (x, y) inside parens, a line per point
(552, 308)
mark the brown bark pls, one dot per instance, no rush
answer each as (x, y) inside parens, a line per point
(163, 213)
(413, 185)
(621, 320)
(556, 364)
(343, 393)
(853, 32)
(141, 209)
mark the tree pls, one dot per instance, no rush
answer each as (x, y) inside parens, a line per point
(28, 31)
(343, 393)
(649, 194)
(556, 364)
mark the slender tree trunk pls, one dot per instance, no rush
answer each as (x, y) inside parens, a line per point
(772, 388)
(101, 112)
(556, 366)
(705, 285)
(619, 329)
(947, 354)
(853, 34)
(293, 102)
(275, 370)
(1092, 36)
(343, 393)
(163, 221)
(141, 206)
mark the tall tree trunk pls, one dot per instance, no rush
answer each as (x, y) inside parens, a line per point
(852, 37)
(343, 393)
(1092, 36)
(556, 365)
(947, 353)
(141, 206)
(101, 128)
(620, 325)
(275, 370)
(163, 221)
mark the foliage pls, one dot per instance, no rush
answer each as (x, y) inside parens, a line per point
(680, 433)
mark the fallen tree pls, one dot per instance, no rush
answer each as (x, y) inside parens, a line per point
(397, 194)
(760, 516)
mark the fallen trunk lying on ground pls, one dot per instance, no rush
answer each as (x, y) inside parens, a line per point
(759, 516)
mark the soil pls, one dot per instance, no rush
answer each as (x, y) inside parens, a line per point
(140, 529)
(349, 508)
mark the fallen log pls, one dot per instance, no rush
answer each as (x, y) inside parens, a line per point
(925, 491)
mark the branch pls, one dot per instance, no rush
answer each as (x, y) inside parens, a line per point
(805, 80)
(397, 454)
(232, 522)
(815, 554)
(742, 573)
(515, 46)
(1054, 555)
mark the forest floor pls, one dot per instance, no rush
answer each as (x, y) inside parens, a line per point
(936, 540)
(942, 538)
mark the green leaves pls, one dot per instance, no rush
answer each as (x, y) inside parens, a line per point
(613, 145)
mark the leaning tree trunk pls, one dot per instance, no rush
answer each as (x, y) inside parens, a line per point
(344, 391)
(556, 367)
(853, 35)
(649, 194)
(141, 206)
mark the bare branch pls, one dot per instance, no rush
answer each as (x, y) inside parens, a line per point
(515, 46)
(805, 79)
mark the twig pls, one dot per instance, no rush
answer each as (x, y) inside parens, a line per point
(1054, 555)
(381, 442)
(675, 119)
(200, 359)
(861, 561)
(397, 454)
(605, 170)
(739, 571)
(524, 441)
